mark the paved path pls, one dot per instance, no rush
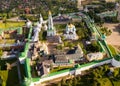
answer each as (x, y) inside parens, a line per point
(114, 38)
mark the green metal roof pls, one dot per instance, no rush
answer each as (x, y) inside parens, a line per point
(111, 14)
(27, 67)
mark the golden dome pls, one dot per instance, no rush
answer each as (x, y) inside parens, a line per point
(70, 25)
(49, 12)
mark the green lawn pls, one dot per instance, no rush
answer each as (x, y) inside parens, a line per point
(60, 68)
(11, 24)
(4, 76)
(12, 75)
(60, 27)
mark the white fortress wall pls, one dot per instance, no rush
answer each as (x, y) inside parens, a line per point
(72, 72)
(115, 63)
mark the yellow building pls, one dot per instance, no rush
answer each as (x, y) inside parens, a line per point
(82, 2)
(110, 0)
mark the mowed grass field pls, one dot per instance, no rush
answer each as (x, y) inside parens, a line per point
(11, 24)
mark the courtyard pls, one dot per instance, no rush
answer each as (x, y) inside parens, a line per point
(114, 38)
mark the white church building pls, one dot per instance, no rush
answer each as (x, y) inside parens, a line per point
(70, 32)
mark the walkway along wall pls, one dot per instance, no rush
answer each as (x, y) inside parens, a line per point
(26, 61)
(115, 62)
(74, 71)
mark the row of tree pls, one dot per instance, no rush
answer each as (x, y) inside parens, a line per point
(101, 76)
(38, 6)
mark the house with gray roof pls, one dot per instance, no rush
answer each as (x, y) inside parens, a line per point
(66, 57)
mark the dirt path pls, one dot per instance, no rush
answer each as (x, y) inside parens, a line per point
(50, 83)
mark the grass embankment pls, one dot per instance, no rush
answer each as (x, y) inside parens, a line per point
(113, 51)
(11, 24)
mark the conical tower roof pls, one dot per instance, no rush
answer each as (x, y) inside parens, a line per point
(117, 57)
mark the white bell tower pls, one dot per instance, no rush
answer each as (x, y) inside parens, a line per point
(51, 30)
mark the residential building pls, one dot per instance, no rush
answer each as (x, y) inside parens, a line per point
(94, 56)
(66, 57)
(110, 0)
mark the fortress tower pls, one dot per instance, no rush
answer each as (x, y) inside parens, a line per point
(116, 61)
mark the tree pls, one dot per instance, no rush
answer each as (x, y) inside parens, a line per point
(116, 72)
(95, 77)
(1, 53)
(59, 47)
(95, 17)
(42, 35)
(1, 81)
(96, 47)
(59, 84)
(105, 31)
(66, 43)
(63, 82)
(81, 33)
(93, 47)
(110, 5)
(105, 82)
(70, 45)
(75, 81)
(106, 68)
(63, 38)
(111, 19)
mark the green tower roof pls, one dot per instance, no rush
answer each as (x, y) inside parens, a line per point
(103, 36)
(117, 57)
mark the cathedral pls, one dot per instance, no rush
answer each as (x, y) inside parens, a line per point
(70, 32)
